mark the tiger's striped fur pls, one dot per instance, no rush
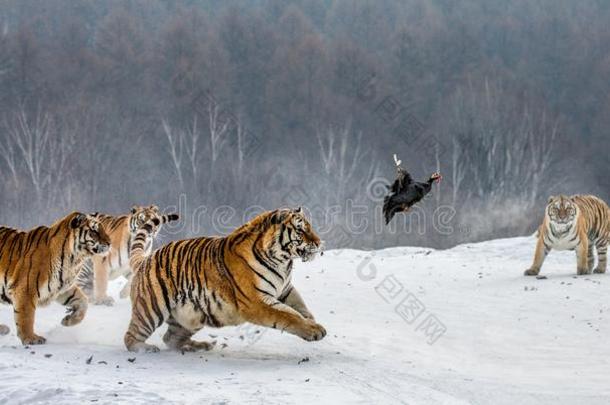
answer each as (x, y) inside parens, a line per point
(579, 223)
(93, 279)
(39, 266)
(220, 281)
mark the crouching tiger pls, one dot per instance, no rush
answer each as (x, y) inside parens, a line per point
(221, 281)
(41, 265)
(93, 279)
(579, 223)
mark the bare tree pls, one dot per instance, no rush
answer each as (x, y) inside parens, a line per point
(501, 148)
(218, 130)
(241, 148)
(8, 153)
(184, 144)
(35, 150)
(458, 169)
(187, 149)
(343, 160)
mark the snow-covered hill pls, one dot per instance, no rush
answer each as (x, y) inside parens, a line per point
(405, 325)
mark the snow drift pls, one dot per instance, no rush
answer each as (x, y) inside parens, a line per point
(405, 325)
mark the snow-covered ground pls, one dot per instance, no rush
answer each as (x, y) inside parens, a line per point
(405, 325)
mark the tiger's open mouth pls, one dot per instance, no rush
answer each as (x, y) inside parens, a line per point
(562, 221)
(309, 252)
(100, 249)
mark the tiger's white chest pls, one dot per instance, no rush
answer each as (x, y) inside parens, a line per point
(287, 275)
(562, 237)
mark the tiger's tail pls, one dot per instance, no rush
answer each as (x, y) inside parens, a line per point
(143, 236)
(169, 218)
(140, 240)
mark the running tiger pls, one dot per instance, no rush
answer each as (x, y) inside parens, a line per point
(41, 265)
(576, 223)
(93, 279)
(221, 281)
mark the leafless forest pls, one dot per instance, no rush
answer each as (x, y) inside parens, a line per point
(222, 108)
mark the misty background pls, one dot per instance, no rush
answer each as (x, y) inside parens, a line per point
(223, 108)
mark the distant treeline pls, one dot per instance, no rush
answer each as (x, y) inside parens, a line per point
(224, 108)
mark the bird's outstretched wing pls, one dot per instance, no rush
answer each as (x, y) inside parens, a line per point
(403, 179)
(390, 208)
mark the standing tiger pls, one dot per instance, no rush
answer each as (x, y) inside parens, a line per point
(221, 281)
(93, 279)
(41, 265)
(576, 223)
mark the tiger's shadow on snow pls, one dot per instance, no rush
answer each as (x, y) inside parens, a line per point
(255, 356)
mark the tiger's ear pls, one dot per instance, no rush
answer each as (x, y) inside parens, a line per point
(298, 210)
(77, 220)
(551, 199)
(154, 208)
(134, 209)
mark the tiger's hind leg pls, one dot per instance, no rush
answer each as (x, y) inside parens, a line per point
(135, 339)
(143, 323)
(179, 338)
(602, 256)
(133, 344)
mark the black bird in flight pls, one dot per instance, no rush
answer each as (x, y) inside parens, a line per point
(405, 192)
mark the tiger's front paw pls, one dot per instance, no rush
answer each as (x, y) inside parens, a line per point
(74, 317)
(531, 272)
(583, 271)
(599, 270)
(312, 331)
(33, 340)
(106, 301)
(194, 346)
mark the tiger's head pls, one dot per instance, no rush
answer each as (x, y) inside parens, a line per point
(90, 237)
(141, 215)
(150, 215)
(296, 235)
(561, 210)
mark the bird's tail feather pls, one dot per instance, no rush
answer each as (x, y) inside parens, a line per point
(388, 213)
